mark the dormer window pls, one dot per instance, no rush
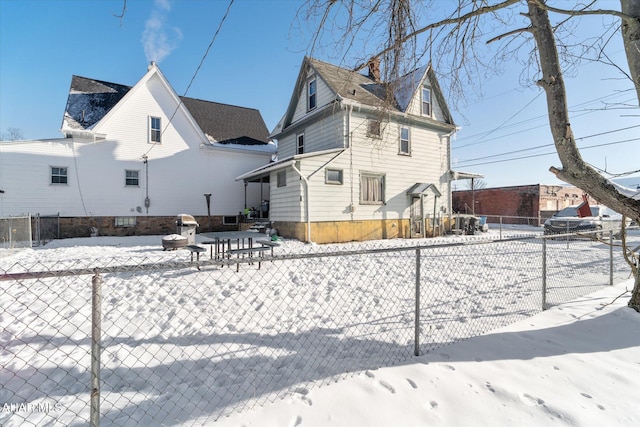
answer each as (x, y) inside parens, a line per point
(155, 130)
(426, 101)
(312, 95)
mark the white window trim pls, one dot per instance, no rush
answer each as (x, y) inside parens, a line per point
(422, 102)
(126, 178)
(51, 175)
(310, 95)
(298, 146)
(374, 175)
(283, 174)
(152, 130)
(371, 134)
(125, 221)
(331, 181)
(408, 152)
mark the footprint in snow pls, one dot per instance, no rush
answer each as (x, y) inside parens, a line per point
(297, 422)
(433, 404)
(388, 386)
(412, 383)
(369, 374)
(588, 396)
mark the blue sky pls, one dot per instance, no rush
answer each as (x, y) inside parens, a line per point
(254, 63)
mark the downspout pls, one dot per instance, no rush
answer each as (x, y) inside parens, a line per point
(306, 204)
(349, 143)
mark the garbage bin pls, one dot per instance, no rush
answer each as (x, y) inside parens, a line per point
(186, 226)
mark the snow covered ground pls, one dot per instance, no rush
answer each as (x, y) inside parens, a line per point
(186, 346)
(577, 364)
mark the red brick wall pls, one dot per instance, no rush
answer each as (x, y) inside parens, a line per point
(520, 201)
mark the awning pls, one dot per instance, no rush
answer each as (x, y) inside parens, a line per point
(420, 188)
(263, 171)
(456, 175)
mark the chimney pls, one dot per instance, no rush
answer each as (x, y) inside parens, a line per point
(374, 69)
(151, 65)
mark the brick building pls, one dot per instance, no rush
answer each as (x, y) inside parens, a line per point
(523, 204)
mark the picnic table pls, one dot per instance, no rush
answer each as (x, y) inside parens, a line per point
(220, 242)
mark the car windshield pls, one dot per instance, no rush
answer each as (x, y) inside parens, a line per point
(573, 211)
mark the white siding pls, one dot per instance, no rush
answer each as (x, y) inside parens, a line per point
(325, 96)
(415, 105)
(324, 134)
(428, 163)
(179, 170)
(286, 203)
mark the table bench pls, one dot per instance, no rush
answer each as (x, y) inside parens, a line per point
(249, 251)
(268, 243)
(195, 249)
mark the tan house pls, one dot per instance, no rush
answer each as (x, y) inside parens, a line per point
(350, 166)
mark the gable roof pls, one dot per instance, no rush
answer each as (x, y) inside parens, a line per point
(228, 124)
(91, 100)
(362, 89)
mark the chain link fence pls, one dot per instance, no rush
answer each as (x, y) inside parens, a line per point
(15, 232)
(156, 339)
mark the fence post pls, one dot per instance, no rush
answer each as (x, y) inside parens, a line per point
(96, 324)
(610, 257)
(544, 274)
(416, 350)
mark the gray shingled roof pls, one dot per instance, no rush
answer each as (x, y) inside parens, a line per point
(228, 124)
(90, 100)
(363, 89)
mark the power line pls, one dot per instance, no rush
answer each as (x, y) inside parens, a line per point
(571, 109)
(213, 39)
(551, 153)
(547, 145)
(503, 123)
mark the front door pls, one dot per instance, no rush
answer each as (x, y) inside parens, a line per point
(417, 223)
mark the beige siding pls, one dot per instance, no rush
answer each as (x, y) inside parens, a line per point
(287, 202)
(415, 105)
(324, 134)
(427, 163)
(325, 96)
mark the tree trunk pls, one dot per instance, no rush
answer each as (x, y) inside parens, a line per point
(575, 170)
(634, 302)
(631, 39)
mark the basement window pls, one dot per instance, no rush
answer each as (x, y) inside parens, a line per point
(230, 220)
(125, 221)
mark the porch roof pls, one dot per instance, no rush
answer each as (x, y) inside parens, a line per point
(456, 175)
(263, 171)
(420, 188)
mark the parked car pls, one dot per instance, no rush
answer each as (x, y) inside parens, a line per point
(568, 220)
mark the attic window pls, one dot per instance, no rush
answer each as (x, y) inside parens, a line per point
(426, 101)
(312, 95)
(155, 130)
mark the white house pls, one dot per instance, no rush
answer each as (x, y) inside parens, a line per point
(354, 167)
(135, 157)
